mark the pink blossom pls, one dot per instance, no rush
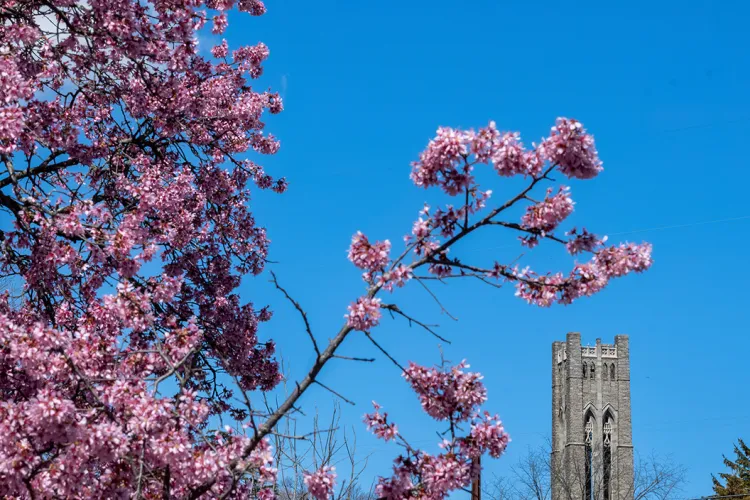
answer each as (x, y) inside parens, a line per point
(320, 483)
(586, 279)
(399, 486)
(220, 24)
(542, 291)
(364, 314)
(11, 126)
(546, 215)
(529, 241)
(378, 423)
(572, 149)
(484, 142)
(583, 241)
(440, 270)
(444, 473)
(441, 162)
(449, 393)
(487, 435)
(397, 277)
(371, 257)
(220, 51)
(266, 494)
(623, 259)
(254, 7)
(510, 158)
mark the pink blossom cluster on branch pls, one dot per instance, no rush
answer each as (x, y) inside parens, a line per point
(321, 483)
(448, 162)
(452, 396)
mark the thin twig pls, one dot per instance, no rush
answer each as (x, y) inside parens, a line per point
(350, 358)
(321, 384)
(395, 309)
(535, 232)
(403, 370)
(442, 307)
(301, 311)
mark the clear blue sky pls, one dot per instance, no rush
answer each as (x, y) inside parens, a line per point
(664, 88)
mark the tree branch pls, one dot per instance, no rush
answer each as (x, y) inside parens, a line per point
(301, 311)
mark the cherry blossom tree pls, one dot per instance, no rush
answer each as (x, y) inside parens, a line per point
(125, 189)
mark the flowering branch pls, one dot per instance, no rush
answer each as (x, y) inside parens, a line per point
(127, 185)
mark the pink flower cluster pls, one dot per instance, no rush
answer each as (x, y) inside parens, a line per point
(378, 423)
(583, 241)
(450, 394)
(364, 314)
(374, 259)
(125, 419)
(320, 484)
(395, 278)
(367, 256)
(572, 150)
(586, 279)
(443, 162)
(546, 215)
(418, 474)
(487, 434)
(449, 158)
(511, 159)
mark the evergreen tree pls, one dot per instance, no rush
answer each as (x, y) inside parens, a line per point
(737, 481)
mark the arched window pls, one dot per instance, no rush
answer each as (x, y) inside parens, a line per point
(612, 371)
(605, 371)
(588, 439)
(607, 456)
(593, 370)
(585, 369)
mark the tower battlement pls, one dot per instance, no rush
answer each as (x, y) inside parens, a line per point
(607, 351)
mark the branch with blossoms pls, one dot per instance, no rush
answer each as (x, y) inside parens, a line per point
(452, 396)
(448, 163)
(125, 190)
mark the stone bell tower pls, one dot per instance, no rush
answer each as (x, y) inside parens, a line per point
(592, 443)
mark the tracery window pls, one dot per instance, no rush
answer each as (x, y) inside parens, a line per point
(607, 456)
(588, 440)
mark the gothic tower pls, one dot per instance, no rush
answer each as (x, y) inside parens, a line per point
(592, 447)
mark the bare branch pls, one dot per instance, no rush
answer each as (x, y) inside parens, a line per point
(350, 358)
(321, 384)
(393, 360)
(535, 232)
(395, 309)
(301, 311)
(442, 307)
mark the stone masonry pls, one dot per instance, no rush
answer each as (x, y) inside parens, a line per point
(592, 447)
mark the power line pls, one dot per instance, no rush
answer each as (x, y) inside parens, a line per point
(712, 497)
(675, 226)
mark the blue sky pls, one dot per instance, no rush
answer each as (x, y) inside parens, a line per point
(662, 86)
